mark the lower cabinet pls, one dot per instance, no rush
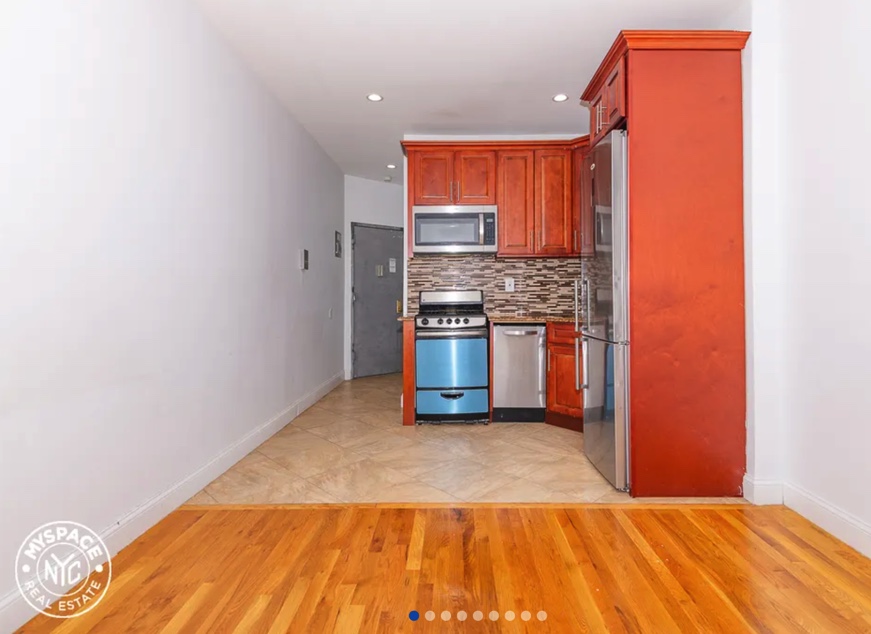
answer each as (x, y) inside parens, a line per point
(564, 400)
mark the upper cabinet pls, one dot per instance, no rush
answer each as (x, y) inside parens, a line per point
(515, 195)
(536, 199)
(475, 177)
(555, 231)
(433, 178)
(608, 104)
(450, 177)
(535, 186)
(615, 95)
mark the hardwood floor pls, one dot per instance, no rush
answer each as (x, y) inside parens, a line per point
(364, 568)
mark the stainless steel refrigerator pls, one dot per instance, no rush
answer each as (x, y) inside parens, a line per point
(603, 295)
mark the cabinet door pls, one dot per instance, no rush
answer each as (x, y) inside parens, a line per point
(562, 397)
(433, 177)
(475, 177)
(515, 196)
(596, 115)
(615, 96)
(585, 207)
(553, 202)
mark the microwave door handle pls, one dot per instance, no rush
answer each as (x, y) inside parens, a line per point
(481, 229)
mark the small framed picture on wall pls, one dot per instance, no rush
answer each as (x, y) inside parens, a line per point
(338, 244)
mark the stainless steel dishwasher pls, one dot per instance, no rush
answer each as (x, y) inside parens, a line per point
(519, 377)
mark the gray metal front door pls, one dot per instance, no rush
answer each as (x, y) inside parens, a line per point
(377, 265)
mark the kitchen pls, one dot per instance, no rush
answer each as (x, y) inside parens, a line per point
(570, 253)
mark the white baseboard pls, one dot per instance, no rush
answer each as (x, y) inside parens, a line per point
(14, 610)
(843, 525)
(763, 492)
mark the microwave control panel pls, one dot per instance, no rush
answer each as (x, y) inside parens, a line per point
(489, 230)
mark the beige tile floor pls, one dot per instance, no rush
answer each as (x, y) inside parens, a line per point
(352, 447)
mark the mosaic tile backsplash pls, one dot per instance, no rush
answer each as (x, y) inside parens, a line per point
(544, 286)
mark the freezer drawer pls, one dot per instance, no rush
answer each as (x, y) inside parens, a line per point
(453, 402)
(452, 363)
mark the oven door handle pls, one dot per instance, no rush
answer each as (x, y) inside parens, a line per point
(452, 396)
(477, 333)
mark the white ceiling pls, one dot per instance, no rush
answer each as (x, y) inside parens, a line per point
(443, 66)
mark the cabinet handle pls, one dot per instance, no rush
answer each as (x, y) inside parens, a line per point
(532, 238)
(575, 240)
(548, 359)
(458, 191)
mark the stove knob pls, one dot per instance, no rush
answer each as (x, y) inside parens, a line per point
(450, 321)
(466, 320)
(424, 321)
(441, 321)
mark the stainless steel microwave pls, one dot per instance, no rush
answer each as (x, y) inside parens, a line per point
(454, 228)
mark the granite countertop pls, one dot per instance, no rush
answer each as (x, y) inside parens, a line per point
(527, 319)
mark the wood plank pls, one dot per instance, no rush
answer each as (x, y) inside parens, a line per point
(591, 568)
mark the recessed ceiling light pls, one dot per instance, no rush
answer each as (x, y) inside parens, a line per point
(560, 97)
(391, 166)
(374, 97)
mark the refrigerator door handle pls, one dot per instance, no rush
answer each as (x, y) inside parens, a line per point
(585, 357)
(577, 363)
(589, 314)
(576, 304)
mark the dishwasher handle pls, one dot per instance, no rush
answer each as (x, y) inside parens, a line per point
(520, 333)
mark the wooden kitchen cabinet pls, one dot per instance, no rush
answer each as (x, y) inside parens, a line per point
(451, 177)
(433, 177)
(515, 196)
(564, 401)
(608, 105)
(533, 185)
(475, 177)
(555, 231)
(615, 95)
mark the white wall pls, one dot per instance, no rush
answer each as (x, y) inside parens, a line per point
(809, 264)
(764, 254)
(827, 273)
(153, 200)
(374, 203)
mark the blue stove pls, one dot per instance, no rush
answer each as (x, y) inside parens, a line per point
(452, 357)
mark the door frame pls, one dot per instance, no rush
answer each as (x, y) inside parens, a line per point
(367, 225)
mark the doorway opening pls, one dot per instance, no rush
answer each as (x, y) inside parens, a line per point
(376, 299)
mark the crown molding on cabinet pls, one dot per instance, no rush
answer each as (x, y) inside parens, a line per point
(663, 40)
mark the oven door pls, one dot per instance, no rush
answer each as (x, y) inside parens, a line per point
(449, 230)
(448, 360)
